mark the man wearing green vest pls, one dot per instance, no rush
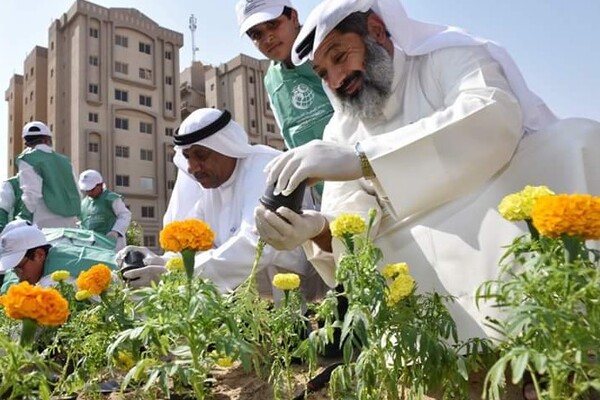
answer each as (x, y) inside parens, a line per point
(103, 211)
(47, 180)
(11, 205)
(296, 93)
(27, 255)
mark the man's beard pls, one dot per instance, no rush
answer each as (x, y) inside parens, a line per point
(376, 86)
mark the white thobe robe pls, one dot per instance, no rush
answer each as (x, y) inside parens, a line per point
(229, 210)
(447, 149)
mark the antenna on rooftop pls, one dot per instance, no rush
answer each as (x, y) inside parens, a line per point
(193, 27)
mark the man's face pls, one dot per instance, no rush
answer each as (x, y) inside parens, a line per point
(95, 192)
(31, 269)
(274, 38)
(210, 168)
(358, 70)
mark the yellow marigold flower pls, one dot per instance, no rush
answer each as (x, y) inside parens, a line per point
(518, 206)
(400, 287)
(124, 360)
(286, 281)
(568, 214)
(224, 362)
(46, 306)
(83, 295)
(175, 264)
(391, 271)
(59, 276)
(96, 279)
(347, 225)
(190, 234)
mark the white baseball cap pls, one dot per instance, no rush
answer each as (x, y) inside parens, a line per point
(253, 12)
(88, 179)
(35, 128)
(17, 237)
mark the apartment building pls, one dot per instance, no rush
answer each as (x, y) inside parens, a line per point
(108, 87)
(14, 97)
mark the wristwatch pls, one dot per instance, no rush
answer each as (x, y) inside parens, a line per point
(365, 165)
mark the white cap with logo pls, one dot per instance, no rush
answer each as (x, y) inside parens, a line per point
(88, 179)
(36, 128)
(17, 237)
(253, 12)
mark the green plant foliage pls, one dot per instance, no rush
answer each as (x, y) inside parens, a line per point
(134, 234)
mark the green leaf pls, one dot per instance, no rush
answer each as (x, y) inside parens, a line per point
(519, 365)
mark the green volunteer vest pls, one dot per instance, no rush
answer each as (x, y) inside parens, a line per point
(300, 103)
(59, 191)
(97, 214)
(19, 209)
(69, 258)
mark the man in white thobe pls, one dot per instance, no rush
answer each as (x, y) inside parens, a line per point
(432, 128)
(231, 172)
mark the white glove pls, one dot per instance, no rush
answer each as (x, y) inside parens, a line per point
(284, 235)
(113, 235)
(142, 277)
(150, 258)
(316, 161)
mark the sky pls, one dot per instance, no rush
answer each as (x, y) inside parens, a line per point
(555, 43)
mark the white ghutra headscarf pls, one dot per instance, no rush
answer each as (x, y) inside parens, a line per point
(417, 38)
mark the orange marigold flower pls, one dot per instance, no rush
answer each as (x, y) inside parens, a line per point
(190, 234)
(568, 214)
(95, 280)
(46, 306)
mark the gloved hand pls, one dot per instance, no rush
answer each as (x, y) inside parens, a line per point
(283, 235)
(150, 258)
(316, 161)
(142, 277)
(113, 235)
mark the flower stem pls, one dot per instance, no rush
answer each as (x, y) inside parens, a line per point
(28, 332)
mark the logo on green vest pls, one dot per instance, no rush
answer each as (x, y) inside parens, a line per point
(302, 96)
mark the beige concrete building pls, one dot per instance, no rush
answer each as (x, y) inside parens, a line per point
(14, 96)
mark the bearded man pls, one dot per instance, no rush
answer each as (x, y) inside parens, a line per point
(432, 128)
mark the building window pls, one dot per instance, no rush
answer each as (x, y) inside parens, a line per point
(149, 240)
(94, 32)
(168, 55)
(212, 87)
(168, 80)
(122, 123)
(251, 79)
(122, 151)
(252, 101)
(93, 148)
(170, 184)
(121, 41)
(51, 72)
(145, 100)
(169, 105)
(122, 180)
(145, 73)
(145, 48)
(268, 106)
(51, 99)
(92, 88)
(93, 60)
(147, 184)
(93, 117)
(168, 131)
(147, 211)
(146, 155)
(146, 127)
(253, 123)
(121, 68)
(121, 95)
(271, 128)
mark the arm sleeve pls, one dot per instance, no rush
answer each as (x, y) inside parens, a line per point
(7, 197)
(31, 185)
(456, 149)
(123, 217)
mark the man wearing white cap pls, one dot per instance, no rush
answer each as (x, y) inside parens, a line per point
(429, 130)
(296, 93)
(102, 210)
(11, 204)
(27, 255)
(47, 180)
(231, 172)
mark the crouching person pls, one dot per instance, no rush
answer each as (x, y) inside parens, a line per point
(27, 255)
(219, 158)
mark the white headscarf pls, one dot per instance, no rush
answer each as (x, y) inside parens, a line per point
(418, 38)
